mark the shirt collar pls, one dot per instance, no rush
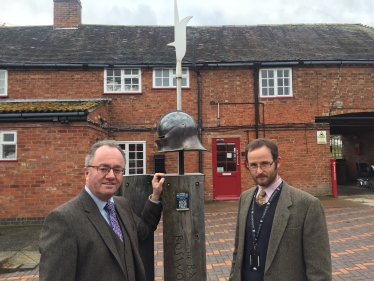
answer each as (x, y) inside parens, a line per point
(270, 189)
(100, 203)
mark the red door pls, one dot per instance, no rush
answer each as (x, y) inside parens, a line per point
(226, 169)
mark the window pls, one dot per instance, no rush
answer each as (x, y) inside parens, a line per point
(8, 145)
(165, 78)
(135, 157)
(336, 147)
(123, 80)
(3, 82)
(276, 82)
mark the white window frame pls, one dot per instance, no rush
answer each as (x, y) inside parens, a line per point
(132, 159)
(3, 83)
(274, 84)
(124, 82)
(4, 143)
(168, 78)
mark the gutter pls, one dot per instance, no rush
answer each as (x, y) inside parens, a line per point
(62, 117)
(338, 119)
(193, 64)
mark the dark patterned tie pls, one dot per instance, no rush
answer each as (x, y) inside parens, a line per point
(109, 207)
(260, 199)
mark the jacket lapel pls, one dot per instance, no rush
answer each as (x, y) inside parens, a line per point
(94, 215)
(280, 221)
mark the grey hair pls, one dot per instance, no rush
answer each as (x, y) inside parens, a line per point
(258, 143)
(110, 143)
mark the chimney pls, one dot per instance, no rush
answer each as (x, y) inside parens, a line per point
(67, 13)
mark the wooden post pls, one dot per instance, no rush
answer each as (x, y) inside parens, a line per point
(137, 188)
(184, 228)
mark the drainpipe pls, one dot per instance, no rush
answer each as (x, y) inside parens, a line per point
(256, 90)
(199, 103)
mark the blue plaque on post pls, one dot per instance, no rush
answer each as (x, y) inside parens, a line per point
(182, 201)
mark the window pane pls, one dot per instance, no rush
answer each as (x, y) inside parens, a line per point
(117, 72)
(135, 80)
(184, 82)
(280, 82)
(271, 74)
(271, 92)
(165, 72)
(174, 82)
(9, 152)
(280, 73)
(264, 73)
(221, 147)
(109, 72)
(135, 88)
(286, 73)
(280, 91)
(127, 81)
(221, 157)
(264, 92)
(158, 73)
(8, 137)
(271, 83)
(139, 155)
(139, 163)
(286, 82)
(158, 82)
(287, 91)
(165, 82)
(135, 71)
(264, 83)
(231, 167)
(127, 71)
(230, 147)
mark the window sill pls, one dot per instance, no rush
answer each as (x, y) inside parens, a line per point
(170, 88)
(122, 93)
(276, 97)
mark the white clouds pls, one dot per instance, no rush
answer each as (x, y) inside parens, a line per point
(204, 12)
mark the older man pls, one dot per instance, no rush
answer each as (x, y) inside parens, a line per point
(95, 235)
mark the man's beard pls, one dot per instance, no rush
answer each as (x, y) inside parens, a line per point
(265, 180)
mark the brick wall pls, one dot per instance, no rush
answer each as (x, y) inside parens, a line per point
(49, 167)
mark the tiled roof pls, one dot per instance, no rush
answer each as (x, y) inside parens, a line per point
(45, 106)
(102, 44)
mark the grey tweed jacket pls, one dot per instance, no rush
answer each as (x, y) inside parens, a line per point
(76, 242)
(299, 246)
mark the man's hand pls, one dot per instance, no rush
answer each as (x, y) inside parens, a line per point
(157, 181)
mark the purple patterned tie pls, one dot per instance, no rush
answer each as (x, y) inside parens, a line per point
(109, 207)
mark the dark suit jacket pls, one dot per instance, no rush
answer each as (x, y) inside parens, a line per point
(299, 246)
(76, 243)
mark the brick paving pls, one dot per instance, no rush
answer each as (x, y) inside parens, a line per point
(351, 231)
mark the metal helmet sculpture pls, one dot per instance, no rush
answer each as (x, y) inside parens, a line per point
(177, 131)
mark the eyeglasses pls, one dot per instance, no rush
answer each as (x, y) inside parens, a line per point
(104, 170)
(262, 166)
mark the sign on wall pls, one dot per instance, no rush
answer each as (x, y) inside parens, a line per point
(321, 137)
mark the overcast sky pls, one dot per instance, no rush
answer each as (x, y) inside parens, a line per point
(204, 12)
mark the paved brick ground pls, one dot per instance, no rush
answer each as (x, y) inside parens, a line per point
(351, 231)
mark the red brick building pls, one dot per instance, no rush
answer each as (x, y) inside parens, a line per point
(65, 86)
